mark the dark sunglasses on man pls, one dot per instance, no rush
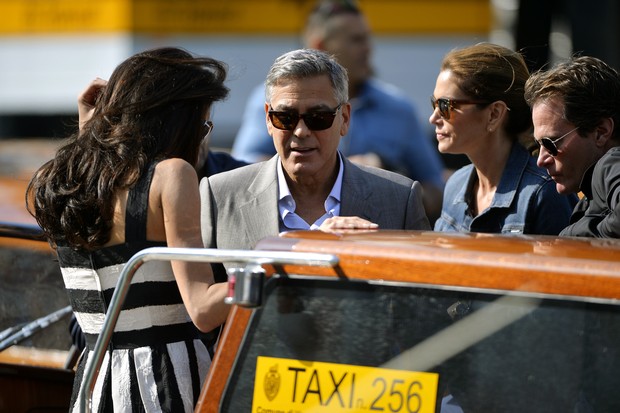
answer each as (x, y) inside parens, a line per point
(446, 105)
(315, 120)
(551, 144)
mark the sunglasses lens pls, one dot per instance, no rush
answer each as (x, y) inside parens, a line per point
(284, 120)
(319, 120)
(549, 146)
(444, 108)
(314, 120)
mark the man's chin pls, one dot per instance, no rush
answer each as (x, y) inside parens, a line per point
(563, 189)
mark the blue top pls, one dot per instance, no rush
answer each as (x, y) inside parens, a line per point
(525, 202)
(219, 162)
(383, 121)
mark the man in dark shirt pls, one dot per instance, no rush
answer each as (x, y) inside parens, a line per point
(575, 110)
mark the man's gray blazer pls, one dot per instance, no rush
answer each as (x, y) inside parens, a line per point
(240, 207)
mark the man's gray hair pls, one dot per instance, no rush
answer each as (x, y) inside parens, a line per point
(306, 63)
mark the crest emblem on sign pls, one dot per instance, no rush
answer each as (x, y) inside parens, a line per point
(272, 383)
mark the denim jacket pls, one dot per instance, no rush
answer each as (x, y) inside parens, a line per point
(525, 201)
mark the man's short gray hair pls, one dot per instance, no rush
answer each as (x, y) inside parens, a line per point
(307, 63)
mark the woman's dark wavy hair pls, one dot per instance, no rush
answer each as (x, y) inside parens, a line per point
(489, 72)
(152, 108)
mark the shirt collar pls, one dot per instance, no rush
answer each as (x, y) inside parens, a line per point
(507, 187)
(513, 171)
(586, 181)
(287, 205)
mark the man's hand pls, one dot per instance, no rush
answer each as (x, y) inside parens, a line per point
(347, 224)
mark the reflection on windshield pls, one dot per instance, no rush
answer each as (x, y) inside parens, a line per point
(464, 333)
(492, 353)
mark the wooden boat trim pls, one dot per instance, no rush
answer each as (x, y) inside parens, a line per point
(535, 265)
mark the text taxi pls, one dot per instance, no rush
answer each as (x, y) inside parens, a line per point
(296, 385)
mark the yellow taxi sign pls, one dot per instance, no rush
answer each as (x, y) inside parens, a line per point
(294, 386)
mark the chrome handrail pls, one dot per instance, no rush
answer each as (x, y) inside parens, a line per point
(22, 231)
(180, 254)
(14, 335)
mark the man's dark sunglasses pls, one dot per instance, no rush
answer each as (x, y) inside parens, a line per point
(446, 105)
(550, 144)
(317, 120)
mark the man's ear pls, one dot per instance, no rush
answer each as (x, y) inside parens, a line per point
(604, 132)
(346, 118)
(267, 122)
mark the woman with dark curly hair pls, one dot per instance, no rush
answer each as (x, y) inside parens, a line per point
(126, 181)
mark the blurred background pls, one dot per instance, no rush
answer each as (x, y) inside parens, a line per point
(50, 49)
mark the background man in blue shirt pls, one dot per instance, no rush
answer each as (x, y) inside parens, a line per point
(384, 131)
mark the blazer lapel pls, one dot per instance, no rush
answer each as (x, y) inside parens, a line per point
(259, 215)
(355, 194)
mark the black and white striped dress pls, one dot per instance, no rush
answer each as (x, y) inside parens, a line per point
(156, 361)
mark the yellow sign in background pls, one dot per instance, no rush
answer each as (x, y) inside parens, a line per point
(160, 17)
(295, 386)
